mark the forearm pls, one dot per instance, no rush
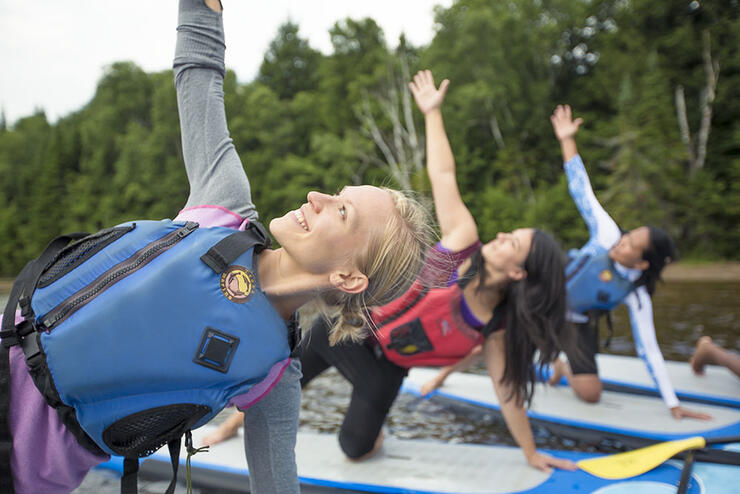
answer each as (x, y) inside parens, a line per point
(568, 148)
(214, 169)
(270, 430)
(514, 414)
(440, 160)
(640, 309)
(518, 424)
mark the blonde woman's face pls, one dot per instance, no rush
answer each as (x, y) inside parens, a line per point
(330, 232)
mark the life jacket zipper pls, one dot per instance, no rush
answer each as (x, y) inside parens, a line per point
(115, 274)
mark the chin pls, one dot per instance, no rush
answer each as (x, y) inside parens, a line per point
(277, 228)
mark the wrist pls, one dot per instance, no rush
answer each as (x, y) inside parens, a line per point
(437, 110)
(529, 453)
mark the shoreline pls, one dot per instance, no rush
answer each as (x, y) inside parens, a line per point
(713, 271)
(709, 272)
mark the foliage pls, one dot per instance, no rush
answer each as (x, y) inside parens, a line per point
(314, 121)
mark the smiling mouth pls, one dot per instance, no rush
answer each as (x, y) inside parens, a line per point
(300, 219)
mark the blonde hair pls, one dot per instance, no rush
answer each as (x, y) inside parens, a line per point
(391, 262)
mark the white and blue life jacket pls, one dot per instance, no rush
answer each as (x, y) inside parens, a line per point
(593, 283)
(141, 332)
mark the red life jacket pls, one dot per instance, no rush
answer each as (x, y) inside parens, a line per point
(425, 327)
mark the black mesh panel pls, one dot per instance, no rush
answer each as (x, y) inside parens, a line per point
(143, 433)
(78, 252)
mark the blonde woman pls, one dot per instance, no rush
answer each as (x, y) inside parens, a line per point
(360, 247)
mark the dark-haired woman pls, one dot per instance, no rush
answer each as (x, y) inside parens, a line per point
(612, 268)
(507, 295)
(346, 250)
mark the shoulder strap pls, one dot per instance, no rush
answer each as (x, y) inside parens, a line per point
(6, 436)
(221, 255)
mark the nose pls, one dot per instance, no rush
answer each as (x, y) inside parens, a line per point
(317, 200)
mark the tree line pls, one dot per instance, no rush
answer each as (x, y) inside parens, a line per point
(656, 81)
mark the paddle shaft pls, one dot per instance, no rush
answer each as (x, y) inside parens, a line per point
(688, 464)
(726, 439)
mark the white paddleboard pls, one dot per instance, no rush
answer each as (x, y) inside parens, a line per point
(717, 386)
(411, 466)
(618, 413)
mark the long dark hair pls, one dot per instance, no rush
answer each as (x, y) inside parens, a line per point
(659, 253)
(534, 311)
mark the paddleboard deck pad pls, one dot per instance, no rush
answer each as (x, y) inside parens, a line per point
(425, 467)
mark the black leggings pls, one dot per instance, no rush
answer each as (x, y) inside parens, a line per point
(375, 385)
(583, 359)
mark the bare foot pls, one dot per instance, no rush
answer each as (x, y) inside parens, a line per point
(702, 355)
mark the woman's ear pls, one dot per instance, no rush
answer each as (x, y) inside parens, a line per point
(354, 282)
(516, 274)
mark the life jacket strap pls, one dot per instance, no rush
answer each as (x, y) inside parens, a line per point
(6, 437)
(129, 479)
(221, 255)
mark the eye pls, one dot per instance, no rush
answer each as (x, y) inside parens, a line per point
(343, 212)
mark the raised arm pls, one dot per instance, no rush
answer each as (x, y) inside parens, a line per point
(601, 226)
(643, 330)
(514, 413)
(214, 170)
(457, 225)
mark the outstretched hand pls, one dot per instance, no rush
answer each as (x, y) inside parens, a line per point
(426, 95)
(563, 123)
(546, 463)
(684, 413)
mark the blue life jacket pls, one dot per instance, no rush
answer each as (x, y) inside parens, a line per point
(144, 331)
(593, 283)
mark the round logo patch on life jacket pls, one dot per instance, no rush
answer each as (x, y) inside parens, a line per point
(606, 276)
(237, 284)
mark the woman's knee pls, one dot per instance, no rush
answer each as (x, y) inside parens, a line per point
(588, 388)
(355, 446)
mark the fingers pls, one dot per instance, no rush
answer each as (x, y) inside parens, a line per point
(424, 78)
(697, 415)
(562, 464)
(681, 413)
(443, 87)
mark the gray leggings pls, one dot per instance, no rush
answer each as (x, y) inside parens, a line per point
(217, 177)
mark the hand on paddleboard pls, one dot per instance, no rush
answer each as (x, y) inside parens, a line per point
(683, 413)
(546, 463)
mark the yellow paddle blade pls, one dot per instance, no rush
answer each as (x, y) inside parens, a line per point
(639, 461)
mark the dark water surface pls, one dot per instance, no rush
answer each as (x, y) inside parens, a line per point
(684, 311)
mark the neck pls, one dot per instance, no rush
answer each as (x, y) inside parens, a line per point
(483, 301)
(286, 284)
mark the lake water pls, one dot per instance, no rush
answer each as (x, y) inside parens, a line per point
(684, 311)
